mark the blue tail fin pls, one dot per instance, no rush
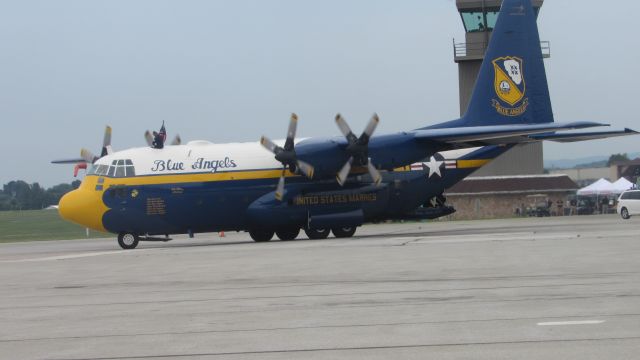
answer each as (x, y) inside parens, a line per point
(512, 84)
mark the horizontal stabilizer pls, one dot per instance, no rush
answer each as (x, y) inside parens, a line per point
(574, 137)
(496, 134)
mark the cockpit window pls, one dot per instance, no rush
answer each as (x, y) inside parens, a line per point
(102, 169)
(131, 171)
(118, 168)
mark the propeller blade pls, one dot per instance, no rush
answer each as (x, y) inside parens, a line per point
(87, 156)
(269, 145)
(375, 174)
(106, 142)
(371, 126)
(107, 137)
(344, 172)
(344, 128)
(280, 188)
(342, 125)
(305, 168)
(176, 140)
(291, 133)
(148, 137)
(68, 161)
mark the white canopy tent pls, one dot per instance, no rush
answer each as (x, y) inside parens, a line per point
(600, 187)
(621, 185)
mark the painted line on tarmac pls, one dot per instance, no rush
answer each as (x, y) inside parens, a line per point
(73, 256)
(562, 323)
(452, 239)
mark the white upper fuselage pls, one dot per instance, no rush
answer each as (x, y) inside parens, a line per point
(195, 157)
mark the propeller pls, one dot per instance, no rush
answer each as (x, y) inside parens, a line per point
(358, 149)
(87, 157)
(176, 140)
(287, 156)
(148, 137)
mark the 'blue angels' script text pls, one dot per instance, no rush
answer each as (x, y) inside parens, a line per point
(200, 164)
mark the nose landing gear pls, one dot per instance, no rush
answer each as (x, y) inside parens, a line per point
(128, 241)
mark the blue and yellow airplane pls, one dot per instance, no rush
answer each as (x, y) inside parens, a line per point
(332, 184)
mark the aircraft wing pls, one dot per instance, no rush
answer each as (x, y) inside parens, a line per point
(461, 137)
(574, 137)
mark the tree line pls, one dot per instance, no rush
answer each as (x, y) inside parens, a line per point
(20, 195)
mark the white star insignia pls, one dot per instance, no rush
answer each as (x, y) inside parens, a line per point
(434, 166)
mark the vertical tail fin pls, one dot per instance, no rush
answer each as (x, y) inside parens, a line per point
(512, 84)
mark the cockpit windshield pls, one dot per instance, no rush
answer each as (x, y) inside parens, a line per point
(118, 169)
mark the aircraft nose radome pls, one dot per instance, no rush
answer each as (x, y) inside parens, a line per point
(83, 208)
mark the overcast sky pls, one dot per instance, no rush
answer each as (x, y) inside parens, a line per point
(234, 70)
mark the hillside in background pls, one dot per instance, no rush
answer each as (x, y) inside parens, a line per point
(590, 161)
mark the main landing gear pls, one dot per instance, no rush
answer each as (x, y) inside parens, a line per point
(317, 234)
(344, 232)
(287, 234)
(261, 235)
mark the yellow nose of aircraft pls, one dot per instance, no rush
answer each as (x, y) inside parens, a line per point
(84, 207)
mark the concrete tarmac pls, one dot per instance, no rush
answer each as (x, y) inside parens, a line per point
(534, 288)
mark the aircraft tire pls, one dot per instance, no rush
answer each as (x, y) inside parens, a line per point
(344, 232)
(317, 234)
(288, 234)
(261, 235)
(624, 212)
(128, 241)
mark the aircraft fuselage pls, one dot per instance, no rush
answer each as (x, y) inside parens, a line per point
(202, 187)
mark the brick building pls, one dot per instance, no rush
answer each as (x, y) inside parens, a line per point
(507, 196)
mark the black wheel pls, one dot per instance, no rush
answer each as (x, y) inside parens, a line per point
(288, 234)
(624, 213)
(344, 232)
(127, 240)
(261, 235)
(317, 234)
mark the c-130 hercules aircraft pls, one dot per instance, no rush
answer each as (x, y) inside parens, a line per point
(328, 184)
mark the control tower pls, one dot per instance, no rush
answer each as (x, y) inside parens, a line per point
(479, 18)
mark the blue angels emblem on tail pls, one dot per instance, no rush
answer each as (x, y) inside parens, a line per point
(510, 87)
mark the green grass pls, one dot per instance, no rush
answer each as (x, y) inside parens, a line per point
(40, 225)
